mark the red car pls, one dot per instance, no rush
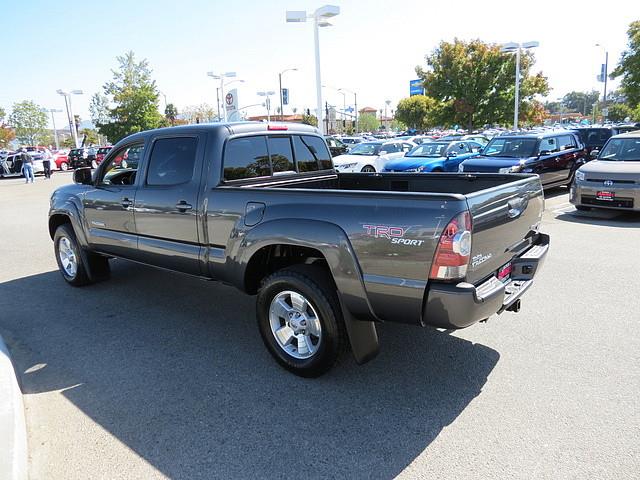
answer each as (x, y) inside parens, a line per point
(102, 152)
(61, 160)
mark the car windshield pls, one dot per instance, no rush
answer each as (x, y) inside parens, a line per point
(621, 150)
(429, 150)
(366, 149)
(510, 147)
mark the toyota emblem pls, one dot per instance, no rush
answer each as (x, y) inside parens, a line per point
(608, 183)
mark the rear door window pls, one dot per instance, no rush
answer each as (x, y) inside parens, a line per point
(172, 161)
(306, 160)
(281, 155)
(566, 142)
(548, 145)
(318, 147)
(246, 158)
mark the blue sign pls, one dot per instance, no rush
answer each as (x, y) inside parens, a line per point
(285, 96)
(416, 87)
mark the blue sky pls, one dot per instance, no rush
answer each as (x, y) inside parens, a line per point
(372, 48)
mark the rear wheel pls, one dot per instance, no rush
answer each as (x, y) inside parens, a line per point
(368, 169)
(64, 166)
(300, 320)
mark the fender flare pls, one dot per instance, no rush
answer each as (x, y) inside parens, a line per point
(336, 248)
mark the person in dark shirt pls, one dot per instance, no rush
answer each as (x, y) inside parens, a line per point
(27, 166)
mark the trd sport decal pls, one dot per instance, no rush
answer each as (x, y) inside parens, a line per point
(394, 234)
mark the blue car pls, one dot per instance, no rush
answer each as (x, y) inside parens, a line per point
(434, 157)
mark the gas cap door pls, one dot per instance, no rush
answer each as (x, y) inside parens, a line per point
(253, 213)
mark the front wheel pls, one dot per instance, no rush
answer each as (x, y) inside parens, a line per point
(64, 166)
(368, 169)
(70, 260)
(300, 320)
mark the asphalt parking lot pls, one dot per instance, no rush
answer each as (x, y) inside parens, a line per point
(158, 375)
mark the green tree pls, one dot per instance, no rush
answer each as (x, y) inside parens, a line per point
(99, 109)
(135, 97)
(474, 81)
(581, 102)
(619, 111)
(202, 113)
(367, 122)
(29, 121)
(629, 66)
(310, 120)
(90, 136)
(417, 111)
(3, 114)
(171, 113)
(6, 132)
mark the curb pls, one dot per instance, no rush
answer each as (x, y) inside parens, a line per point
(13, 436)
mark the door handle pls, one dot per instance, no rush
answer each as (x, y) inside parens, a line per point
(183, 206)
(126, 203)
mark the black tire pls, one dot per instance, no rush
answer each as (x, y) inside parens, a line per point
(97, 264)
(64, 166)
(315, 284)
(368, 169)
(582, 208)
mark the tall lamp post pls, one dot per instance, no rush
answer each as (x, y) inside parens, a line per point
(53, 120)
(517, 47)
(221, 77)
(605, 74)
(267, 101)
(319, 17)
(355, 104)
(67, 103)
(280, 85)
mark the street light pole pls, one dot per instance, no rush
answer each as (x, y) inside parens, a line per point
(517, 47)
(67, 102)
(355, 105)
(280, 85)
(319, 17)
(267, 102)
(221, 77)
(53, 121)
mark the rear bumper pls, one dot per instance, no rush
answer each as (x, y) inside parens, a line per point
(463, 304)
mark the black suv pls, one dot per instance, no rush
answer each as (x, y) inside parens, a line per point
(79, 157)
(594, 138)
(336, 147)
(554, 155)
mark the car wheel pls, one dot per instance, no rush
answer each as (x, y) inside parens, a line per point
(368, 169)
(94, 164)
(70, 262)
(64, 166)
(300, 320)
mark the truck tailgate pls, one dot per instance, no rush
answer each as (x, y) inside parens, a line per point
(505, 219)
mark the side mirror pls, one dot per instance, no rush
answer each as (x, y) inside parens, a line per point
(82, 176)
(594, 154)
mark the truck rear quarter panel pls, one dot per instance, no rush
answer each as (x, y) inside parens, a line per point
(392, 237)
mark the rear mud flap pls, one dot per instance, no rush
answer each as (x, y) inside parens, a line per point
(362, 336)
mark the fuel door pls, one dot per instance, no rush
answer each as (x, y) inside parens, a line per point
(253, 213)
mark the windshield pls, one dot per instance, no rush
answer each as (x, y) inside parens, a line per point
(510, 147)
(429, 150)
(622, 150)
(366, 149)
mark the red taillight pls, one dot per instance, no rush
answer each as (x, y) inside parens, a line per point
(277, 127)
(451, 259)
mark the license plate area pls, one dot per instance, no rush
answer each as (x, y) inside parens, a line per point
(606, 195)
(504, 272)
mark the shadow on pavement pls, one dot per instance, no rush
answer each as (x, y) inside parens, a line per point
(607, 218)
(174, 368)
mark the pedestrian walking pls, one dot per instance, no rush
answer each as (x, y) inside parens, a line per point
(27, 166)
(46, 163)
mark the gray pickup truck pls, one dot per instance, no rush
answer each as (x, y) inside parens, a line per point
(259, 206)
